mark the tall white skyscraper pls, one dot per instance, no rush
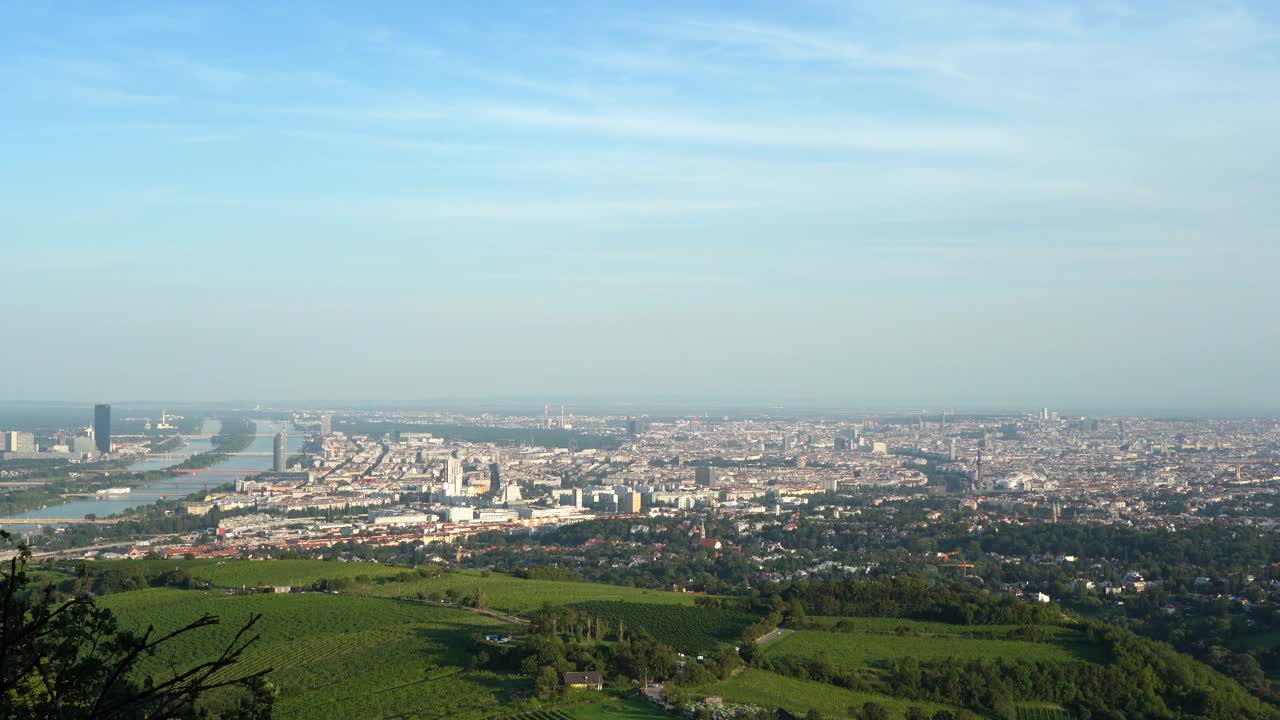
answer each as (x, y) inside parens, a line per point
(453, 476)
(280, 451)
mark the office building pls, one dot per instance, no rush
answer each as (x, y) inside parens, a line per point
(629, 502)
(495, 477)
(18, 442)
(280, 451)
(704, 475)
(953, 449)
(326, 425)
(102, 427)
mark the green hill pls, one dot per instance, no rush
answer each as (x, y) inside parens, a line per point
(850, 650)
(337, 655)
(758, 687)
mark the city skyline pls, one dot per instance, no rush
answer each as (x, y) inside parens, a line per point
(970, 204)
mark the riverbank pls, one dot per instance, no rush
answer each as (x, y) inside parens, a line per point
(232, 436)
(230, 460)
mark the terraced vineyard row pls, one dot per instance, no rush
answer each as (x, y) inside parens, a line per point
(283, 656)
(690, 630)
(1043, 713)
(539, 715)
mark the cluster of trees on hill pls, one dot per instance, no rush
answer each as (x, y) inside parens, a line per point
(566, 640)
(1141, 679)
(904, 597)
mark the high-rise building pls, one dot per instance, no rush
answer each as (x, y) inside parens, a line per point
(637, 425)
(495, 475)
(629, 502)
(326, 425)
(786, 443)
(18, 441)
(704, 475)
(102, 427)
(453, 476)
(280, 451)
(953, 449)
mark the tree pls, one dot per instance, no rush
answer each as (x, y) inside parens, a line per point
(547, 684)
(874, 711)
(68, 659)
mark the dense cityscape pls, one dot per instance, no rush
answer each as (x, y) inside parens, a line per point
(564, 360)
(1164, 526)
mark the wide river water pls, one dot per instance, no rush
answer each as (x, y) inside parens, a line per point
(257, 456)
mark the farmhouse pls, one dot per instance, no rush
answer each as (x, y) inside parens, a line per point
(579, 680)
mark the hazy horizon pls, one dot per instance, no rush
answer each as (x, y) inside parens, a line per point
(874, 205)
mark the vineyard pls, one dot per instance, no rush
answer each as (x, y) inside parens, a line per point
(539, 715)
(1029, 712)
(611, 709)
(255, 573)
(518, 595)
(336, 654)
(690, 630)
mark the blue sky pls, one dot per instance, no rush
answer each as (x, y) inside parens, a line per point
(861, 204)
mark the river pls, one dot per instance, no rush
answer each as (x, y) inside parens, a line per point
(257, 456)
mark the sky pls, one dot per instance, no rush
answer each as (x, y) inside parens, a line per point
(854, 204)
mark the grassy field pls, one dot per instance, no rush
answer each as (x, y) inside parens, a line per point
(340, 655)
(925, 627)
(852, 650)
(758, 687)
(691, 630)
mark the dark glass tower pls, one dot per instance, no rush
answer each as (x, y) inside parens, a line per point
(102, 427)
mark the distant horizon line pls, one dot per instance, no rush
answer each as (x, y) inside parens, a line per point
(532, 406)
